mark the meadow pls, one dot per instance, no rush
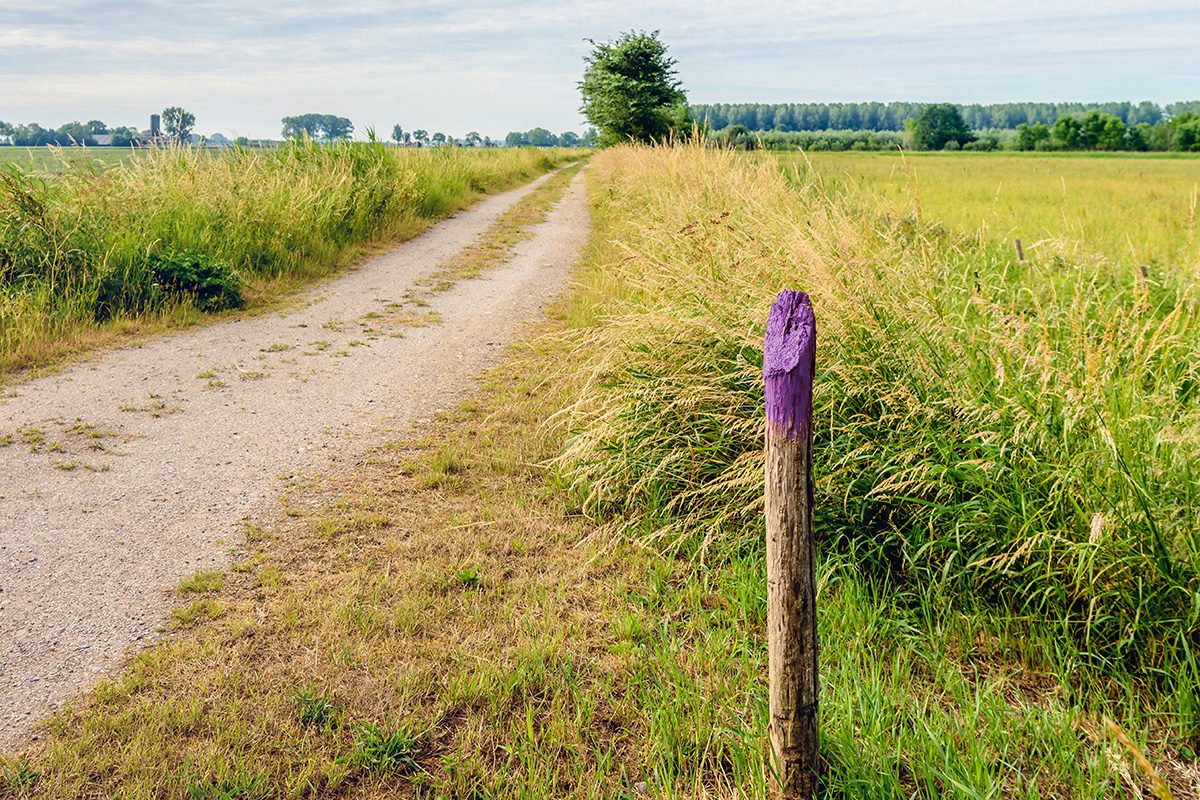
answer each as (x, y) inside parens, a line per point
(58, 159)
(1131, 209)
(93, 253)
(559, 590)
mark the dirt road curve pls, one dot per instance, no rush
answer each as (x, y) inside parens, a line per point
(129, 472)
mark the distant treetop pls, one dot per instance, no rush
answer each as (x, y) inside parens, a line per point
(320, 127)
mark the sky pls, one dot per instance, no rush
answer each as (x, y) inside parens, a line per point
(493, 66)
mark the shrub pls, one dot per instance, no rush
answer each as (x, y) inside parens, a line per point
(210, 285)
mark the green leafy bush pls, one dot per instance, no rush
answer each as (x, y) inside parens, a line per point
(211, 285)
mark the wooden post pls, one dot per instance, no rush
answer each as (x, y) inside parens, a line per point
(789, 358)
(1020, 251)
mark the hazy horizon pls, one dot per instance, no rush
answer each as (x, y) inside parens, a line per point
(479, 65)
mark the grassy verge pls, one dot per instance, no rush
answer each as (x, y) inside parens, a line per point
(92, 255)
(445, 621)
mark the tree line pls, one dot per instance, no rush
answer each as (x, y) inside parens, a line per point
(423, 138)
(318, 127)
(941, 126)
(1098, 131)
(875, 116)
(177, 127)
(535, 137)
(34, 135)
(540, 137)
(178, 124)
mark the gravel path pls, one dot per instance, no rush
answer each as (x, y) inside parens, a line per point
(131, 471)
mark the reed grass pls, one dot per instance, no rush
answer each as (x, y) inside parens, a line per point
(82, 250)
(1014, 436)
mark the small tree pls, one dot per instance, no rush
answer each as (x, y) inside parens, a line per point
(540, 137)
(334, 127)
(6, 130)
(1032, 137)
(1066, 133)
(74, 133)
(1101, 132)
(630, 90)
(422, 136)
(1141, 136)
(473, 139)
(302, 125)
(438, 139)
(178, 124)
(937, 125)
(397, 134)
(1183, 132)
(124, 136)
(33, 135)
(737, 136)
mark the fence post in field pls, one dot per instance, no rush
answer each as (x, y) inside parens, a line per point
(789, 358)
(1020, 251)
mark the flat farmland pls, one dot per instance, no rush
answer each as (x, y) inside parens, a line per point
(56, 159)
(1131, 209)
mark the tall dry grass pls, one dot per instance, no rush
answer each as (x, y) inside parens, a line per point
(1018, 435)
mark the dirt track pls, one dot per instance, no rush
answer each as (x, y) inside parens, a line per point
(129, 472)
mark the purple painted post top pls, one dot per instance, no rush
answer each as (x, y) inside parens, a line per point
(789, 359)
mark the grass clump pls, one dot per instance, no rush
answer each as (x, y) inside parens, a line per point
(204, 582)
(198, 611)
(313, 707)
(384, 751)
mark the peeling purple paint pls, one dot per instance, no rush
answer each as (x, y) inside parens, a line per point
(789, 360)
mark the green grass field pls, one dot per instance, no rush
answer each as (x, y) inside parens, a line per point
(57, 159)
(1133, 209)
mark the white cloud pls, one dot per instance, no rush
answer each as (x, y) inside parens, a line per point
(492, 66)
